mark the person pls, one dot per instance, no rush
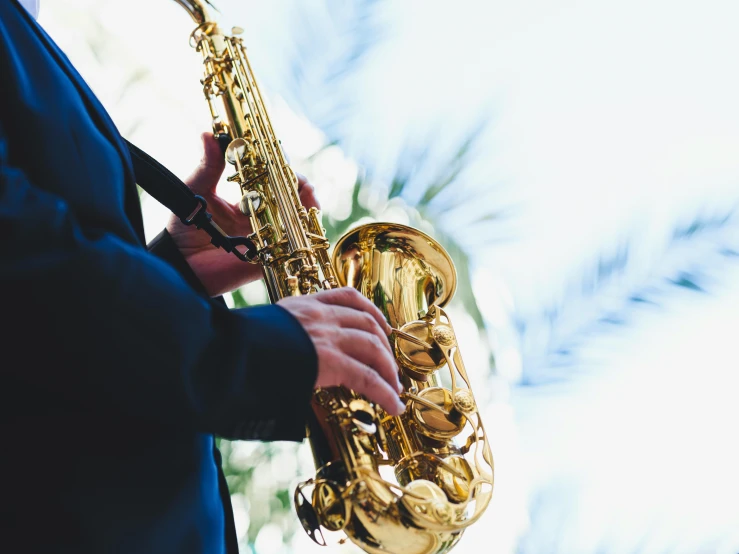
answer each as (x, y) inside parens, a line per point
(118, 366)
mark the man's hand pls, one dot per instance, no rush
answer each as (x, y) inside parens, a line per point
(218, 270)
(350, 335)
(348, 332)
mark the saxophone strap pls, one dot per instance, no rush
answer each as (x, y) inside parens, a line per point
(167, 189)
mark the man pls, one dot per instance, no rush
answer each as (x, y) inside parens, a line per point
(117, 367)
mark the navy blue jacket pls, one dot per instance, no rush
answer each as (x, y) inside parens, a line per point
(116, 369)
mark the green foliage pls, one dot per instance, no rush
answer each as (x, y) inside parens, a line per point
(239, 300)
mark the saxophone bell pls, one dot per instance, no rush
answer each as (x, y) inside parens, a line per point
(442, 476)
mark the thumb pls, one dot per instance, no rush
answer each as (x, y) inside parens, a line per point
(205, 177)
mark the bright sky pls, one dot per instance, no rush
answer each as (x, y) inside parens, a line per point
(610, 123)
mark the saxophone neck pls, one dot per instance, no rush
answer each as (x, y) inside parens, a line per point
(197, 10)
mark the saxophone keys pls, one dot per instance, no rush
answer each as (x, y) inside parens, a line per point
(464, 402)
(330, 506)
(251, 202)
(435, 416)
(363, 416)
(437, 480)
(307, 514)
(444, 335)
(418, 353)
(293, 285)
(236, 151)
(454, 476)
(427, 501)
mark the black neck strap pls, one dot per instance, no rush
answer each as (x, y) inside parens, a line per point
(166, 188)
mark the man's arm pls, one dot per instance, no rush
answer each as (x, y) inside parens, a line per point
(94, 321)
(219, 273)
(100, 322)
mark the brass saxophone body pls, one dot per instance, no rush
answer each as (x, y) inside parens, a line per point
(406, 484)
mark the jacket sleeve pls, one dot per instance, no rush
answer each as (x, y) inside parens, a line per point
(100, 322)
(164, 248)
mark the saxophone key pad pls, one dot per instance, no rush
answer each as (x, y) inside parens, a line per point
(251, 199)
(236, 151)
(436, 418)
(363, 416)
(454, 477)
(417, 351)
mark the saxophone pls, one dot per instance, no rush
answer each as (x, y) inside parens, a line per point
(406, 484)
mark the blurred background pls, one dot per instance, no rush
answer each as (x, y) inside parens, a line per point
(580, 162)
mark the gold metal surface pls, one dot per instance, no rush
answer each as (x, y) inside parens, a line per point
(402, 270)
(421, 357)
(441, 467)
(435, 416)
